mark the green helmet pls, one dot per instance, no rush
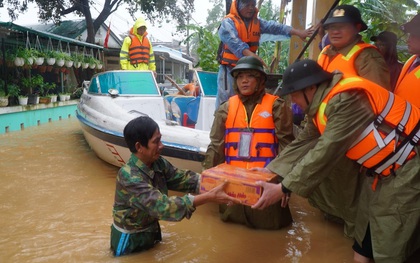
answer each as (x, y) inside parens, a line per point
(301, 75)
(248, 62)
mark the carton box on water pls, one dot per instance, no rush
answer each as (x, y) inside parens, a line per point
(241, 182)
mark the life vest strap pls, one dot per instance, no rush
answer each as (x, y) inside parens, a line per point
(266, 160)
(412, 139)
(376, 123)
(381, 143)
(386, 110)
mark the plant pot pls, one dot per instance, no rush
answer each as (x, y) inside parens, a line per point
(60, 62)
(39, 61)
(33, 99)
(4, 101)
(92, 65)
(45, 100)
(53, 98)
(69, 63)
(85, 65)
(42, 68)
(19, 62)
(99, 66)
(29, 61)
(68, 97)
(62, 97)
(50, 61)
(23, 100)
(77, 64)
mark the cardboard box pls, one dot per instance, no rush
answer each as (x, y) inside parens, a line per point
(241, 182)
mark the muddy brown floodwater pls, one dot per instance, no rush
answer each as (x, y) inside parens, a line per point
(56, 199)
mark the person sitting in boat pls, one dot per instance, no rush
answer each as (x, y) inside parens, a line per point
(137, 51)
(190, 89)
(248, 131)
(141, 194)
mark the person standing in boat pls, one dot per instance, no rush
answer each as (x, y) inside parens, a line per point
(248, 131)
(141, 194)
(137, 51)
(240, 33)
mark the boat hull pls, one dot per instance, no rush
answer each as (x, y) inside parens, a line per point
(110, 146)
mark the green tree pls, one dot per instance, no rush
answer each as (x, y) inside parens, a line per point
(206, 47)
(52, 10)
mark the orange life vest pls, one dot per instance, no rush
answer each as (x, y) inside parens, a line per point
(262, 146)
(191, 89)
(250, 35)
(345, 64)
(408, 84)
(139, 52)
(379, 151)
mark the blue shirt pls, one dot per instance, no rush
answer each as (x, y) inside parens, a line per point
(228, 34)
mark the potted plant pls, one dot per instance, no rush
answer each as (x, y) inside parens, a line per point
(62, 96)
(4, 99)
(50, 55)
(60, 58)
(50, 86)
(45, 91)
(31, 83)
(39, 57)
(19, 57)
(15, 91)
(77, 60)
(28, 55)
(68, 60)
(85, 63)
(93, 62)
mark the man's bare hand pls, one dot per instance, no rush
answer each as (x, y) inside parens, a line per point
(272, 193)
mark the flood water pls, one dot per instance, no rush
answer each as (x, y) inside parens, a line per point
(56, 201)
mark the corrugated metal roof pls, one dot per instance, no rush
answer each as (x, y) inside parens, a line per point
(69, 28)
(8, 27)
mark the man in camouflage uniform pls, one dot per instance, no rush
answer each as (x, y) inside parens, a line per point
(141, 195)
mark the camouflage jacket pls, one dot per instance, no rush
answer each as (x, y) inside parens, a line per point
(141, 194)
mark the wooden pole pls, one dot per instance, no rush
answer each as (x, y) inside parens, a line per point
(320, 9)
(298, 22)
(276, 56)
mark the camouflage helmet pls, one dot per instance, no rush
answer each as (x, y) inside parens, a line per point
(301, 75)
(248, 63)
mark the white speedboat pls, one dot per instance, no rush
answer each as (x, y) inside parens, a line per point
(113, 98)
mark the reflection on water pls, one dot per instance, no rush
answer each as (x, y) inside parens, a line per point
(56, 198)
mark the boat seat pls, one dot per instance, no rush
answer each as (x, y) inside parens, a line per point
(188, 106)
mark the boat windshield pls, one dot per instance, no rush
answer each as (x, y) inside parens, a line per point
(126, 82)
(208, 81)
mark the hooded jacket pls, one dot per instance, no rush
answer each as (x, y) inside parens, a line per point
(248, 33)
(140, 45)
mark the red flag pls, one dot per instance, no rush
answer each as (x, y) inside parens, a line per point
(107, 35)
